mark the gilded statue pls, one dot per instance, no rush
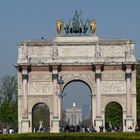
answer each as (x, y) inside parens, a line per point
(76, 25)
(58, 26)
(93, 25)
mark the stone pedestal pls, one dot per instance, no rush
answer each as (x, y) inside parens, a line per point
(25, 125)
(55, 125)
(99, 124)
(129, 123)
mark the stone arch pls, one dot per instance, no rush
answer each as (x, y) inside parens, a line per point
(39, 101)
(113, 116)
(43, 119)
(86, 117)
(116, 101)
(78, 78)
(75, 58)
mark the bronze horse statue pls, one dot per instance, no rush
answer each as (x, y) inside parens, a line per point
(76, 26)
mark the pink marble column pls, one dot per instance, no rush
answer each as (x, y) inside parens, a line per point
(128, 90)
(98, 93)
(55, 92)
(25, 93)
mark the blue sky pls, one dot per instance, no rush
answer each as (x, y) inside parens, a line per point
(31, 19)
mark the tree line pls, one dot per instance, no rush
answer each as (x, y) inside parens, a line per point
(8, 102)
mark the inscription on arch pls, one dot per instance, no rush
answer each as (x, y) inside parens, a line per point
(40, 88)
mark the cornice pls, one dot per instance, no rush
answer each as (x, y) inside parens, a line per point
(74, 66)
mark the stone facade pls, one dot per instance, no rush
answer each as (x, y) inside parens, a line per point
(106, 66)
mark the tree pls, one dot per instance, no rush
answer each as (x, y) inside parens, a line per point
(8, 101)
(113, 115)
(41, 114)
(8, 115)
(8, 89)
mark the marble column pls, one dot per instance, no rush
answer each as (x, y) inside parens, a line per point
(98, 119)
(92, 110)
(128, 90)
(129, 119)
(25, 122)
(55, 92)
(25, 93)
(55, 121)
(98, 94)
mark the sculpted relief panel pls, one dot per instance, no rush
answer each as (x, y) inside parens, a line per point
(112, 87)
(39, 52)
(113, 51)
(113, 76)
(40, 84)
(72, 51)
(37, 88)
(40, 77)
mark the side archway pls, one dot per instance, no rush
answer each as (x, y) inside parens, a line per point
(113, 117)
(40, 117)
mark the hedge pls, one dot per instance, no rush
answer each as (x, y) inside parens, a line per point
(73, 136)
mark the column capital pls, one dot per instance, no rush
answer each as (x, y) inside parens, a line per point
(128, 68)
(128, 75)
(55, 68)
(98, 75)
(23, 68)
(98, 68)
(98, 71)
(24, 72)
(54, 71)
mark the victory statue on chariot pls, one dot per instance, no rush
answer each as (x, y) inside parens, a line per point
(76, 26)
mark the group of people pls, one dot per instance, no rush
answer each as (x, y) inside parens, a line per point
(77, 128)
(7, 131)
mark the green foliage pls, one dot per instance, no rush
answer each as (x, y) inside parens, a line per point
(41, 113)
(113, 114)
(8, 114)
(72, 136)
(8, 89)
(8, 102)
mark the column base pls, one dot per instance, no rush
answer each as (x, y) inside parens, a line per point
(25, 125)
(55, 125)
(99, 124)
(129, 123)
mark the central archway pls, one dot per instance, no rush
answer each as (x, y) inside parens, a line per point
(78, 97)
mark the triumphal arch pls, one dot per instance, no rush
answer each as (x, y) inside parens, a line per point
(107, 66)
